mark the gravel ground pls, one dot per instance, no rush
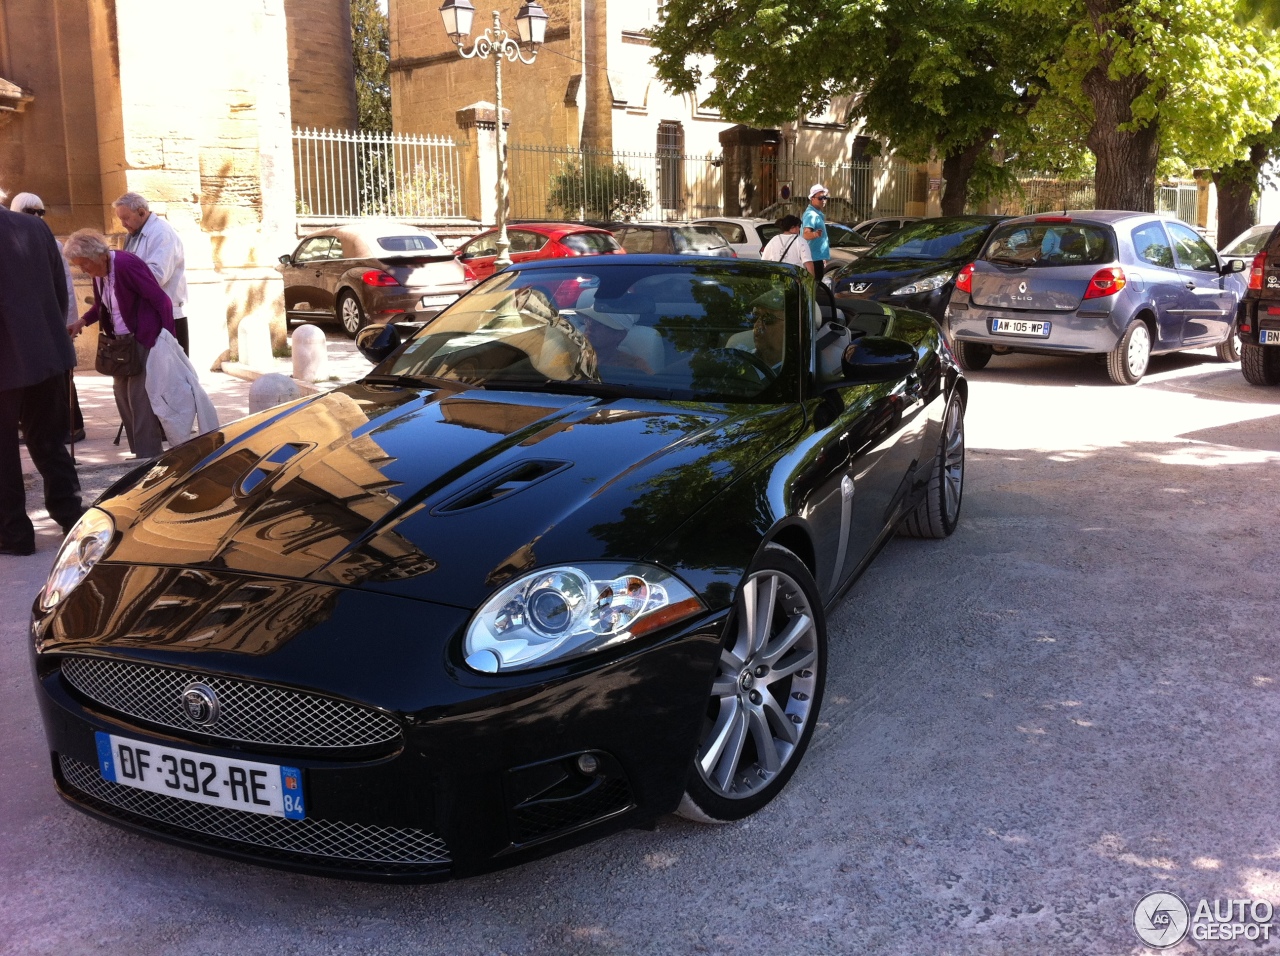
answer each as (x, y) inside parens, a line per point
(1067, 705)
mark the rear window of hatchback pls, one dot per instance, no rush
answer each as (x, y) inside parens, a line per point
(408, 243)
(1050, 244)
(698, 239)
(590, 243)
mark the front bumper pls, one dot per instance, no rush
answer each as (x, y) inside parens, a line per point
(483, 775)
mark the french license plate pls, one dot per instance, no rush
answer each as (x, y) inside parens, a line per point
(1020, 327)
(437, 301)
(264, 788)
(1269, 336)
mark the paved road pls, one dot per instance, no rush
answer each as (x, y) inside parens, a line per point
(1071, 703)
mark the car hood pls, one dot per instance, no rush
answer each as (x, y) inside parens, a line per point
(881, 272)
(436, 494)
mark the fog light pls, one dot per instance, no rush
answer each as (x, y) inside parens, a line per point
(588, 764)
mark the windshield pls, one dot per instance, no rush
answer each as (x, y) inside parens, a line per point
(842, 237)
(1251, 243)
(1050, 244)
(703, 332)
(934, 239)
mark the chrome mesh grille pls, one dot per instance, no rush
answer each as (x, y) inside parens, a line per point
(349, 842)
(247, 712)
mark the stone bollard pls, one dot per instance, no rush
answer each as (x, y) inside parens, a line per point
(253, 343)
(272, 389)
(310, 354)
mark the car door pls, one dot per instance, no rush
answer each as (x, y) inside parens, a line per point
(526, 244)
(1209, 306)
(878, 432)
(304, 290)
(1163, 283)
(479, 255)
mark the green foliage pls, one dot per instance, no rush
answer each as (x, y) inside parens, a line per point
(371, 53)
(949, 78)
(601, 190)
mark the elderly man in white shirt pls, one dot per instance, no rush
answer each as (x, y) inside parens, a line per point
(156, 243)
(788, 245)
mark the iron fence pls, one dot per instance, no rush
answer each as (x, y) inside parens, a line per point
(565, 182)
(1041, 194)
(346, 174)
(865, 189)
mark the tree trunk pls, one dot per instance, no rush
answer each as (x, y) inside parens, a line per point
(1237, 185)
(956, 170)
(1126, 159)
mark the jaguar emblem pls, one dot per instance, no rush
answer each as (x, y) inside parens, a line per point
(858, 287)
(200, 704)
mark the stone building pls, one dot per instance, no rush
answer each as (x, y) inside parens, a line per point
(593, 86)
(190, 104)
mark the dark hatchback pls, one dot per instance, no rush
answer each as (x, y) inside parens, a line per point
(1259, 316)
(916, 267)
(530, 581)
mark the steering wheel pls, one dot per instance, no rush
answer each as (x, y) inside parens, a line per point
(736, 368)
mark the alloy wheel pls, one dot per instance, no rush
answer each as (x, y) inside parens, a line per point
(763, 695)
(953, 461)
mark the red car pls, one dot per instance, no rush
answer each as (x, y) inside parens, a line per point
(536, 240)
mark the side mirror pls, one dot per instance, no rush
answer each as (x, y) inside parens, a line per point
(876, 358)
(376, 342)
(286, 260)
(1232, 266)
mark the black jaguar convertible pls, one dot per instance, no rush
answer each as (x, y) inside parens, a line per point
(558, 565)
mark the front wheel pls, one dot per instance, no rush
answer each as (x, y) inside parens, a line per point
(351, 313)
(1260, 364)
(938, 513)
(1229, 348)
(1127, 362)
(766, 695)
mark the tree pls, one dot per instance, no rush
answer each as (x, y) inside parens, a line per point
(599, 189)
(1239, 181)
(950, 77)
(1185, 80)
(371, 52)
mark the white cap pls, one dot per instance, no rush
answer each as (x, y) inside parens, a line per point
(816, 189)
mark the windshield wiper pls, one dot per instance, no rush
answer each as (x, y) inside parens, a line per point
(1011, 260)
(417, 381)
(594, 389)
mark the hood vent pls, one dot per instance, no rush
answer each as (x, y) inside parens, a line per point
(271, 463)
(501, 485)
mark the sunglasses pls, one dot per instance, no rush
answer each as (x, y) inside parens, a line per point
(35, 212)
(766, 318)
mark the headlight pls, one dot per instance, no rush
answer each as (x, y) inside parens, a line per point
(86, 544)
(925, 284)
(560, 613)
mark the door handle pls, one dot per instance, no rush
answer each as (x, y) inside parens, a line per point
(1191, 285)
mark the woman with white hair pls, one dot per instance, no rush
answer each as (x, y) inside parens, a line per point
(127, 301)
(33, 205)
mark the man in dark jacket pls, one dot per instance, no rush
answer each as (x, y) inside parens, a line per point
(35, 355)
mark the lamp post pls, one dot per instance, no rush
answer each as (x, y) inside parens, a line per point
(531, 21)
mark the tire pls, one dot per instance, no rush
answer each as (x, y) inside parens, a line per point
(351, 314)
(1128, 361)
(938, 513)
(1229, 348)
(971, 356)
(767, 692)
(1260, 364)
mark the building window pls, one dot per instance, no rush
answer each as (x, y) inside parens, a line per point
(671, 169)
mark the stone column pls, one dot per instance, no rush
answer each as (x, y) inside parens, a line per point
(479, 160)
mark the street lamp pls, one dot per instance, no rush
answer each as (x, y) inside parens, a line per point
(531, 22)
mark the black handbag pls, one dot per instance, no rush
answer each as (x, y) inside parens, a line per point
(119, 355)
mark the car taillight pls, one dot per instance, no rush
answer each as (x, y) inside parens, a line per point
(468, 273)
(1105, 282)
(1259, 267)
(376, 277)
(964, 279)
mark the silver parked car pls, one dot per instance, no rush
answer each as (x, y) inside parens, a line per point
(1125, 285)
